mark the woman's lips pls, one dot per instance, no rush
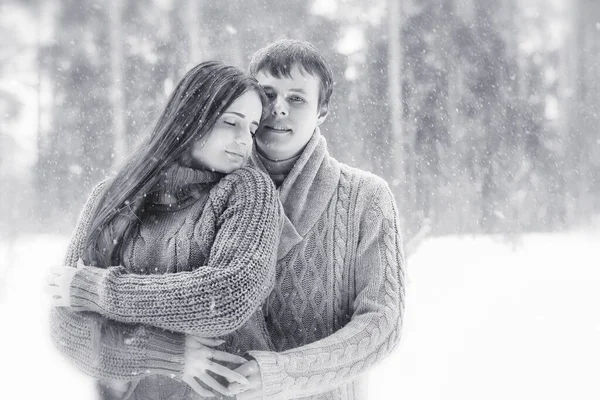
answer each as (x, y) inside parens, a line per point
(233, 153)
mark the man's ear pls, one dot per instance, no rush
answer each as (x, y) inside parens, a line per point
(322, 115)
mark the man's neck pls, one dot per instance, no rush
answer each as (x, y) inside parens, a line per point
(275, 157)
(277, 169)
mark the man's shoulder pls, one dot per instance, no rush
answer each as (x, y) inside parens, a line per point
(359, 179)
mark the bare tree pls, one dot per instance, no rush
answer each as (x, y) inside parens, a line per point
(116, 90)
(401, 145)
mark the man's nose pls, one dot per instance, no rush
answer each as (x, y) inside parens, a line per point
(279, 108)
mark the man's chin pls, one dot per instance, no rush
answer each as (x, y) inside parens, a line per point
(269, 140)
(271, 149)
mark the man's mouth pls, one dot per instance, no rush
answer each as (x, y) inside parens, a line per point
(278, 128)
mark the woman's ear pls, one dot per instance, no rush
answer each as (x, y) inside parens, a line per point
(322, 115)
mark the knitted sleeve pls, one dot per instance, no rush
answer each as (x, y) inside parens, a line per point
(107, 349)
(244, 218)
(374, 328)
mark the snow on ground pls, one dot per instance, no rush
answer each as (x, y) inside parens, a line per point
(30, 368)
(485, 319)
(493, 320)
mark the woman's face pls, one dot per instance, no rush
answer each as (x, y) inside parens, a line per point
(227, 146)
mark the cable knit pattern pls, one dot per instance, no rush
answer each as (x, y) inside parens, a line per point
(223, 247)
(343, 253)
(340, 246)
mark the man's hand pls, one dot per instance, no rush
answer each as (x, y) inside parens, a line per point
(113, 389)
(252, 391)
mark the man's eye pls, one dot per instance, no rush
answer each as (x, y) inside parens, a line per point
(296, 98)
(270, 95)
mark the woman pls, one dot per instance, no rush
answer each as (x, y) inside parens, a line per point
(194, 235)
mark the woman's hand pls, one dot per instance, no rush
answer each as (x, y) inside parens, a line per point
(200, 357)
(58, 285)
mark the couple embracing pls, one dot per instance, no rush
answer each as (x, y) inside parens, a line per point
(231, 256)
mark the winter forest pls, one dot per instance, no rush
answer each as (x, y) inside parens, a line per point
(482, 115)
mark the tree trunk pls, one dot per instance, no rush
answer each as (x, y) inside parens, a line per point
(401, 146)
(193, 22)
(116, 90)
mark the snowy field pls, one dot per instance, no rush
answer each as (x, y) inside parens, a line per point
(486, 319)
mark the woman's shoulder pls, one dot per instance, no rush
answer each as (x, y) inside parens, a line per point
(99, 187)
(246, 182)
(247, 177)
(96, 193)
(249, 174)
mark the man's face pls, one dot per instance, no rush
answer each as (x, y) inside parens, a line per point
(291, 115)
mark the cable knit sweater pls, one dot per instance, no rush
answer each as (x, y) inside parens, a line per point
(202, 265)
(338, 301)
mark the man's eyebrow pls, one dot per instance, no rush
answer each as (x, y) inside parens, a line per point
(240, 115)
(299, 90)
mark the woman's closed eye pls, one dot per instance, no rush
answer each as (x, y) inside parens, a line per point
(232, 122)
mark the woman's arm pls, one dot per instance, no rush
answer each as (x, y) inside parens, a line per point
(245, 218)
(106, 349)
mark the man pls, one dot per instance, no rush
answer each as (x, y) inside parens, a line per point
(337, 305)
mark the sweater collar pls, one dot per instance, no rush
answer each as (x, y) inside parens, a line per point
(306, 191)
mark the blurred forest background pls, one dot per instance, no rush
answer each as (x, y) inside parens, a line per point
(483, 115)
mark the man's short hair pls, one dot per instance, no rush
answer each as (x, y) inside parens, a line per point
(278, 58)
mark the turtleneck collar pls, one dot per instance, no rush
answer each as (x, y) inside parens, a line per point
(277, 169)
(180, 186)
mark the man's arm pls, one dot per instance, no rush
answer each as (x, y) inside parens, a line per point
(374, 329)
(211, 300)
(105, 349)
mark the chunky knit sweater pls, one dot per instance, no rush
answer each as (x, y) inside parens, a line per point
(202, 265)
(338, 301)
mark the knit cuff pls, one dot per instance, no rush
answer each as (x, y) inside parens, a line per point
(272, 374)
(85, 287)
(166, 353)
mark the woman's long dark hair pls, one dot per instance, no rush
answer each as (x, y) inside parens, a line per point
(198, 100)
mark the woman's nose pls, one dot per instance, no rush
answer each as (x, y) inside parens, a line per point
(243, 136)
